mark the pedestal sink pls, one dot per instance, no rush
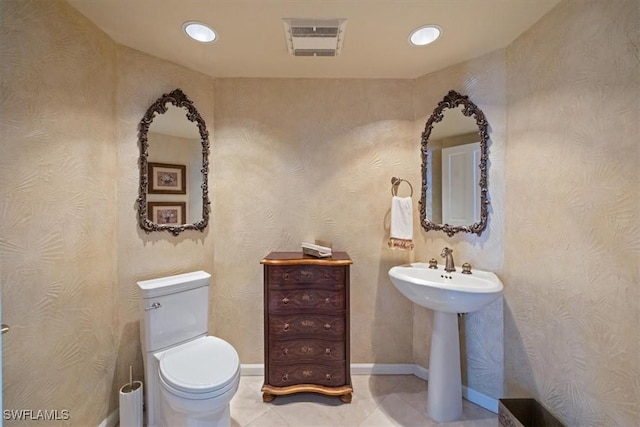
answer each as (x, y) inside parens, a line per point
(447, 294)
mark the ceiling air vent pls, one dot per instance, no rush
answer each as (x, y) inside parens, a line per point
(314, 37)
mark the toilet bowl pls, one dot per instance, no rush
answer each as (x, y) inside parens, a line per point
(190, 376)
(197, 381)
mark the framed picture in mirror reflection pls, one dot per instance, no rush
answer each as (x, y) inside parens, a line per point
(167, 213)
(166, 178)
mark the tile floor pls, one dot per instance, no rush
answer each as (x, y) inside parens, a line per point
(378, 401)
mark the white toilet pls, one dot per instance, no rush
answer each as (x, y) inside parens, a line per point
(190, 377)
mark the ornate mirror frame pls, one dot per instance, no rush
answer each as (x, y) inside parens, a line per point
(452, 100)
(180, 100)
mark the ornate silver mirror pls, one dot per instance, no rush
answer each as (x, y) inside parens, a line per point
(174, 166)
(454, 168)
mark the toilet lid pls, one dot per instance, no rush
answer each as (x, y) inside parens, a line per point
(200, 366)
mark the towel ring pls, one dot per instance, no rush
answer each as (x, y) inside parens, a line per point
(395, 183)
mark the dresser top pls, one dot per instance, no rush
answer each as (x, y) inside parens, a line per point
(298, 258)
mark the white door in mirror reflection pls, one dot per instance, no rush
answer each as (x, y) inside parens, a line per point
(460, 189)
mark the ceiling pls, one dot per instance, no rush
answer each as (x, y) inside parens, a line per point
(251, 40)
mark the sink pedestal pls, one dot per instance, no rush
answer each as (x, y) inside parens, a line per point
(444, 398)
(447, 294)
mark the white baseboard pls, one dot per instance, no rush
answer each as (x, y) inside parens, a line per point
(252, 369)
(257, 369)
(111, 420)
(473, 396)
(381, 369)
(482, 400)
(421, 372)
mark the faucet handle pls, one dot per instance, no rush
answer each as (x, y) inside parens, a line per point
(433, 263)
(466, 268)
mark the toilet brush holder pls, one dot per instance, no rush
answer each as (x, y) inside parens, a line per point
(131, 404)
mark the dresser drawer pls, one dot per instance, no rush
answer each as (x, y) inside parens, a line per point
(314, 351)
(307, 326)
(282, 375)
(291, 300)
(306, 274)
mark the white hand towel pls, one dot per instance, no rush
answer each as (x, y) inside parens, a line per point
(401, 235)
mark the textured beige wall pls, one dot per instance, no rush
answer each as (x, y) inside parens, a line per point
(484, 81)
(572, 241)
(180, 151)
(299, 159)
(296, 159)
(316, 158)
(141, 80)
(292, 160)
(71, 250)
(57, 216)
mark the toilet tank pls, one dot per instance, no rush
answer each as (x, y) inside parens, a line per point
(174, 309)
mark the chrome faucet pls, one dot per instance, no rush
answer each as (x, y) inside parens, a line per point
(449, 265)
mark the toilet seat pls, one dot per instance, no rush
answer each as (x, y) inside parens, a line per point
(200, 369)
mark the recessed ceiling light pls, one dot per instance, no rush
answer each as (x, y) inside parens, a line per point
(425, 35)
(199, 31)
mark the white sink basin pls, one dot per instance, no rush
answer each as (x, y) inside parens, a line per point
(448, 292)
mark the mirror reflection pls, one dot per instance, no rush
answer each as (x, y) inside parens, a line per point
(453, 171)
(175, 161)
(454, 168)
(174, 149)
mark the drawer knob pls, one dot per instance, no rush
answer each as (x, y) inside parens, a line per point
(327, 326)
(328, 377)
(327, 351)
(285, 350)
(327, 300)
(286, 327)
(285, 377)
(285, 276)
(326, 276)
(285, 300)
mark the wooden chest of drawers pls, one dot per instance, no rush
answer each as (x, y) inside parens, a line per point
(306, 325)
